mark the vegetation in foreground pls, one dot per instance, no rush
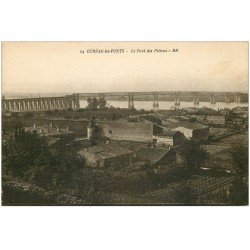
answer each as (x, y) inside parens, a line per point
(32, 175)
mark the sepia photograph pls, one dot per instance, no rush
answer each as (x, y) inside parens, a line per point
(125, 123)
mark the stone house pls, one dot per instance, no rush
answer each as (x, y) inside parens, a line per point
(168, 137)
(125, 130)
(107, 156)
(193, 130)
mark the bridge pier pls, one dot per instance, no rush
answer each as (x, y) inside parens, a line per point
(76, 101)
(38, 104)
(212, 98)
(31, 104)
(34, 102)
(155, 101)
(20, 105)
(227, 99)
(57, 104)
(176, 98)
(196, 99)
(15, 106)
(52, 104)
(131, 101)
(238, 97)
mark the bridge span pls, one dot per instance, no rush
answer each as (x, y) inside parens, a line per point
(176, 96)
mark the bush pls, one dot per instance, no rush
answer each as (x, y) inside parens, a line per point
(23, 150)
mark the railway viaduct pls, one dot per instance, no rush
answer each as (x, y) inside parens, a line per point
(41, 103)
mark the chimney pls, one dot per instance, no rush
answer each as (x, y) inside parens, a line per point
(58, 129)
(34, 125)
(67, 128)
(51, 125)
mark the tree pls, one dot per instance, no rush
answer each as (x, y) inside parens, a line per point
(239, 190)
(194, 156)
(102, 103)
(67, 166)
(240, 157)
(89, 100)
(92, 104)
(40, 176)
(99, 133)
(23, 150)
(92, 184)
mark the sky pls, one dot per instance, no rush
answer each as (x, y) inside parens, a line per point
(59, 67)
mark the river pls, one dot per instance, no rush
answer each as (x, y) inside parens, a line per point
(166, 105)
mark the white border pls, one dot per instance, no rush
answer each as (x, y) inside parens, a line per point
(124, 227)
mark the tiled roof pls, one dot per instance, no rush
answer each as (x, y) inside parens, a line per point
(191, 125)
(130, 145)
(106, 151)
(151, 155)
(167, 132)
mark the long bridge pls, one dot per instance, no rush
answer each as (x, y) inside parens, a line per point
(73, 101)
(174, 95)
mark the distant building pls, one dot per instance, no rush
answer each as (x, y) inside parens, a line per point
(141, 131)
(107, 156)
(181, 118)
(238, 121)
(50, 131)
(211, 118)
(225, 111)
(169, 138)
(193, 130)
(241, 111)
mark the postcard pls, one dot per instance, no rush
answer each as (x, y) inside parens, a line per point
(124, 123)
